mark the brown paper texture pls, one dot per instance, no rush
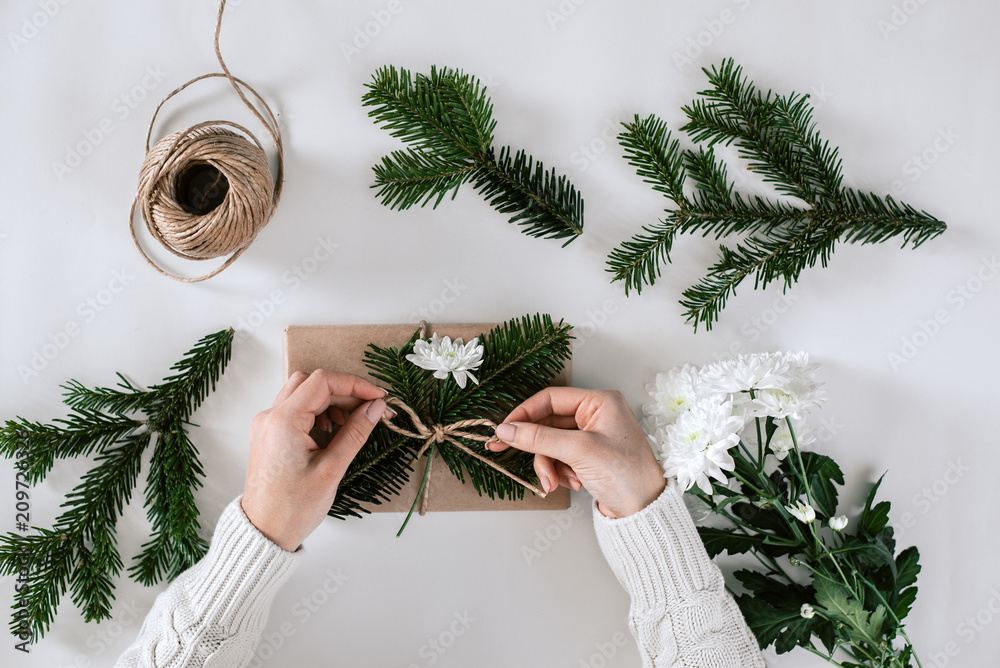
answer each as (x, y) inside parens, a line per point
(342, 348)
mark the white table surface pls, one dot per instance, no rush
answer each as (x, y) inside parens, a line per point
(884, 96)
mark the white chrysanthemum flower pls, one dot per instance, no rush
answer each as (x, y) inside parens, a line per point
(781, 441)
(803, 512)
(745, 373)
(444, 356)
(838, 523)
(673, 393)
(696, 446)
(793, 400)
(807, 611)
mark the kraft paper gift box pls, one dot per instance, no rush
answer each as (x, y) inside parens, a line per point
(342, 348)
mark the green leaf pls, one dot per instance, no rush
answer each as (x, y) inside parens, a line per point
(718, 541)
(862, 626)
(823, 475)
(783, 626)
(907, 567)
(874, 518)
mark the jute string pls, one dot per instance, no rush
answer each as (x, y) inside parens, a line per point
(450, 433)
(253, 192)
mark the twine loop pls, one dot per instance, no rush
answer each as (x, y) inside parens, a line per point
(208, 191)
(450, 433)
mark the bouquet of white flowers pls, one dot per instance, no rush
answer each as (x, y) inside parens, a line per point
(732, 434)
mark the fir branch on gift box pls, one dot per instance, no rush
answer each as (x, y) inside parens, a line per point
(776, 136)
(79, 553)
(447, 119)
(519, 358)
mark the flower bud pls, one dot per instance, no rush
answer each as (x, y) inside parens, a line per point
(838, 523)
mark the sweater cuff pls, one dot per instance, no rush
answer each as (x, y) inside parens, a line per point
(656, 553)
(240, 575)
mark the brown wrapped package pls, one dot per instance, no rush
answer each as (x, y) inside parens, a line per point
(342, 348)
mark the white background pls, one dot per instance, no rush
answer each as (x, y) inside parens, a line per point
(561, 78)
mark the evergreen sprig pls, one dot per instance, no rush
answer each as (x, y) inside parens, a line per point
(79, 553)
(447, 119)
(520, 357)
(776, 136)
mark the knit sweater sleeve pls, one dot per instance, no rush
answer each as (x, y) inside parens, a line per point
(681, 614)
(214, 612)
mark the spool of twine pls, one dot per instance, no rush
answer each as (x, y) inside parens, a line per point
(208, 191)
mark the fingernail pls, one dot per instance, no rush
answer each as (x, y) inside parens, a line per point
(375, 410)
(385, 392)
(389, 414)
(573, 477)
(544, 480)
(507, 432)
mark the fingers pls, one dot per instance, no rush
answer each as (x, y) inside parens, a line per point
(562, 444)
(561, 401)
(290, 385)
(568, 477)
(351, 437)
(559, 421)
(546, 470)
(325, 388)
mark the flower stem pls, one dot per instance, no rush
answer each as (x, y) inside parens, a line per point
(420, 490)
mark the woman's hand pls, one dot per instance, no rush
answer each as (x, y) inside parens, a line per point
(291, 481)
(588, 438)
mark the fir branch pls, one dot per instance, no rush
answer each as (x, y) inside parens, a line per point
(376, 475)
(544, 204)
(79, 553)
(174, 474)
(78, 435)
(777, 137)
(181, 394)
(125, 399)
(656, 155)
(520, 357)
(447, 119)
(410, 177)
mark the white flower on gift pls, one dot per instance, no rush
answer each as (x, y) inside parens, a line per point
(803, 512)
(807, 611)
(696, 446)
(673, 393)
(446, 357)
(838, 523)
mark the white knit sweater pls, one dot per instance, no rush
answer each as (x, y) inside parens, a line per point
(212, 616)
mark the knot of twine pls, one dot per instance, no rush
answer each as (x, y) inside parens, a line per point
(450, 433)
(208, 191)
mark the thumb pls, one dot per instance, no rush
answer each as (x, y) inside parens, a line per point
(351, 437)
(561, 444)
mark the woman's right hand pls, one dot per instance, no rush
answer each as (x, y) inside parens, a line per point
(586, 438)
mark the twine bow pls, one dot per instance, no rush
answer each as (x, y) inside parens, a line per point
(450, 433)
